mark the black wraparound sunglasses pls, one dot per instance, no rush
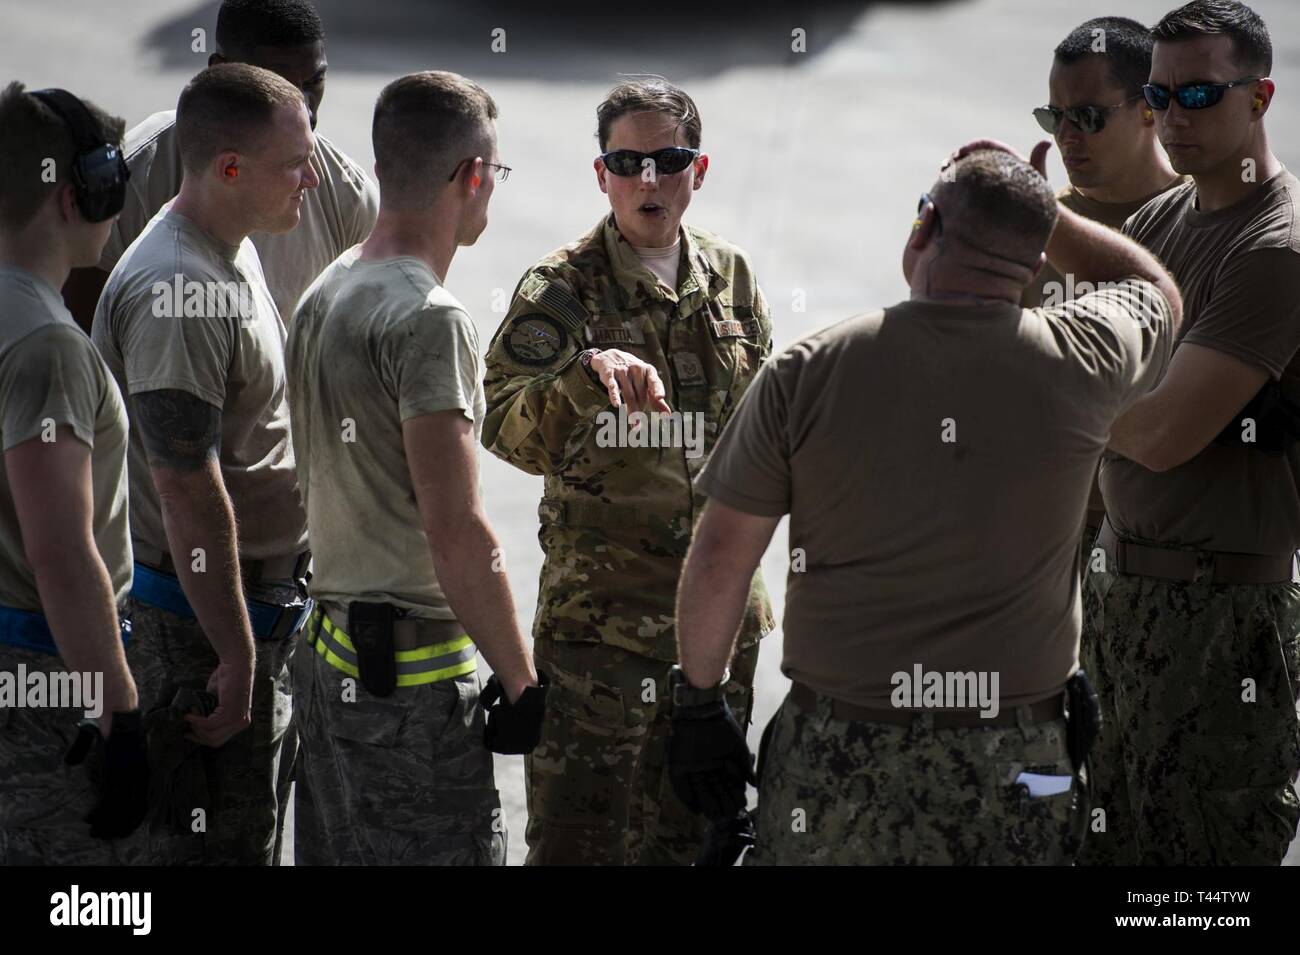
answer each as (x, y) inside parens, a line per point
(1192, 95)
(629, 162)
(1090, 119)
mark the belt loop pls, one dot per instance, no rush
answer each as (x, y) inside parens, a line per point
(1025, 721)
(1204, 568)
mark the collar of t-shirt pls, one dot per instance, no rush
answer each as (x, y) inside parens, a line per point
(40, 285)
(354, 261)
(1112, 214)
(210, 242)
(1242, 208)
(663, 263)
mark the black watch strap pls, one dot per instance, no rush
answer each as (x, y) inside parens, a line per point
(686, 695)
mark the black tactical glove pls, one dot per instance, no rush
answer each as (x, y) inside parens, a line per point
(709, 761)
(123, 771)
(513, 729)
(726, 840)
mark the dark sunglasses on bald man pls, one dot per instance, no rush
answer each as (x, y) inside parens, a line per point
(1090, 119)
(629, 162)
(1191, 96)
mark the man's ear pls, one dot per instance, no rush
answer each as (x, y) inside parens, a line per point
(226, 167)
(922, 228)
(1262, 97)
(701, 167)
(1042, 260)
(67, 200)
(599, 166)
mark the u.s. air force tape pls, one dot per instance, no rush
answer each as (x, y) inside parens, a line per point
(535, 339)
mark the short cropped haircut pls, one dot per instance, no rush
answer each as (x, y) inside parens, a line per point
(425, 125)
(1251, 46)
(1127, 50)
(244, 25)
(996, 202)
(651, 94)
(229, 107)
(31, 134)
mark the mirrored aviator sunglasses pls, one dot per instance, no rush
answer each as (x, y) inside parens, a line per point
(1090, 119)
(629, 162)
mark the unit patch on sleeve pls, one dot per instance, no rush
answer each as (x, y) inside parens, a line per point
(535, 339)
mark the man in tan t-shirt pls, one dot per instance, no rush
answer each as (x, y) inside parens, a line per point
(65, 559)
(1192, 617)
(1106, 134)
(934, 459)
(189, 330)
(287, 38)
(387, 398)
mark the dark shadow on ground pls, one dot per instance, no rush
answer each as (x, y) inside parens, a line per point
(580, 41)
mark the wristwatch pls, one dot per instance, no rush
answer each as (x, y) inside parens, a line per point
(584, 359)
(686, 695)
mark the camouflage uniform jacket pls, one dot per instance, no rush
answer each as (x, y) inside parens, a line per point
(616, 521)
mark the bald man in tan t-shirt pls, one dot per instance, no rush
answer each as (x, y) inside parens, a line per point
(934, 459)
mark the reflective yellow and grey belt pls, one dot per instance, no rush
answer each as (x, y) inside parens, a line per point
(424, 661)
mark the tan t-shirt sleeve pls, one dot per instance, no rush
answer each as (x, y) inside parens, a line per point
(749, 468)
(52, 376)
(191, 353)
(431, 363)
(1125, 334)
(1254, 312)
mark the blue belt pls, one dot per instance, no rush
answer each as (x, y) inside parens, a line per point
(31, 631)
(269, 621)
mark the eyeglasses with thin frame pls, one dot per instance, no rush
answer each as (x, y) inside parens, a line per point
(1191, 95)
(1089, 119)
(502, 172)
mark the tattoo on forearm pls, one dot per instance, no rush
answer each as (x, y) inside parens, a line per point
(179, 430)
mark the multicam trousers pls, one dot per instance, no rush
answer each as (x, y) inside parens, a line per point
(598, 788)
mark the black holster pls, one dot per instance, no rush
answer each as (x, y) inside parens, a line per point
(1083, 718)
(370, 626)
